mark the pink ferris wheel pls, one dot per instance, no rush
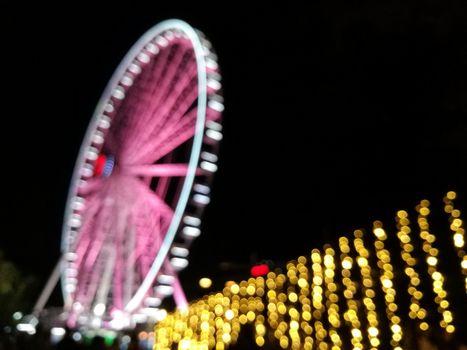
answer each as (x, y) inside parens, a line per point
(141, 180)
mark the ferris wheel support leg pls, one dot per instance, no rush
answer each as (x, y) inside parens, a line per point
(48, 289)
(179, 295)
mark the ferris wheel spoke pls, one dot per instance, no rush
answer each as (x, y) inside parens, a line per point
(81, 249)
(120, 234)
(130, 252)
(167, 144)
(150, 237)
(141, 93)
(108, 270)
(162, 187)
(93, 253)
(91, 277)
(151, 234)
(82, 242)
(90, 186)
(165, 117)
(99, 259)
(149, 228)
(90, 244)
(161, 228)
(87, 216)
(175, 55)
(86, 277)
(147, 197)
(165, 91)
(180, 91)
(92, 204)
(184, 95)
(163, 183)
(174, 115)
(147, 231)
(159, 170)
(179, 67)
(145, 264)
(101, 231)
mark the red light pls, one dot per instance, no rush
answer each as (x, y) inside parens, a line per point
(100, 164)
(259, 270)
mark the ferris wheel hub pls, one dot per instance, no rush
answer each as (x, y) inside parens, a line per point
(104, 165)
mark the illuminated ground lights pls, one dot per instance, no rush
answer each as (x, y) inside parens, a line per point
(375, 290)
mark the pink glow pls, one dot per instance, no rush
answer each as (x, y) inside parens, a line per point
(126, 215)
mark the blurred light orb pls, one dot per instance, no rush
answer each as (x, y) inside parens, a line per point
(205, 282)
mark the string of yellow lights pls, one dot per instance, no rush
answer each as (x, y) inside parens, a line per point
(368, 291)
(328, 300)
(350, 289)
(332, 298)
(457, 228)
(386, 278)
(416, 311)
(432, 261)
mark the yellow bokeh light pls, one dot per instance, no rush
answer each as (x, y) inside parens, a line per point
(235, 288)
(302, 283)
(464, 263)
(293, 297)
(205, 282)
(373, 331)
(347, 264)
(387, 283)
(250, 289)
(362, 262)
(451, 195)
(229, 314)
(395, 328)
(259, 341)
(185, 344)
(379, 232)
(356, 333)
(432, 261)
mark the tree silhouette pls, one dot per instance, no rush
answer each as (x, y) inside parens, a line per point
(15, 291)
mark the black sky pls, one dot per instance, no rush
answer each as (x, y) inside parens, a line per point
(336, 115)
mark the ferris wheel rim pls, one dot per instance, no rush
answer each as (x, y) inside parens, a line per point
(197, 142)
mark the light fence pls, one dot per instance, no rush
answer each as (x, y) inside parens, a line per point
(372, 290)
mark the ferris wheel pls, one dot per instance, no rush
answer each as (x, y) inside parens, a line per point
(141, 180)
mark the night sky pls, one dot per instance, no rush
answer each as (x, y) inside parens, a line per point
(336, 115)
